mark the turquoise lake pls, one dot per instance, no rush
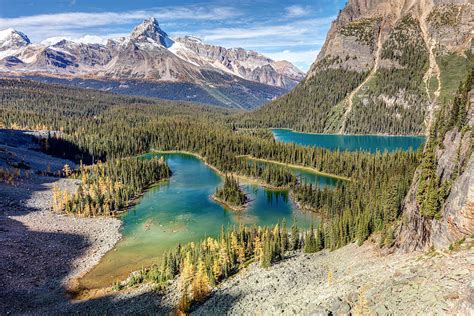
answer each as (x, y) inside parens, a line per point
(180, 210)
(370, 143)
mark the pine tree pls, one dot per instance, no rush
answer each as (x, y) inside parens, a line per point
(310, 242)
(216, 270)
(295, 236)
(258, 250)
(187, 274)
(284, 237)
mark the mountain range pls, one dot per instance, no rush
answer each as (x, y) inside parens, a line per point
(149, 62)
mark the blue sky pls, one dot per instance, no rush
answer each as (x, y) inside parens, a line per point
(291, 30)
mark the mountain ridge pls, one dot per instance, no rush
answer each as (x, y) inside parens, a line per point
(226, 77)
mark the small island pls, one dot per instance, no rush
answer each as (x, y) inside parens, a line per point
(231, 195)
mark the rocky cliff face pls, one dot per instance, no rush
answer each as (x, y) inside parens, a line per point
(383, 69)
(227, 77)
(453, 169)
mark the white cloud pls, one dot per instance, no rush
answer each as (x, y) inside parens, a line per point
(306, 57)
(73, 23)
(292, 31)
(297, 11)
(86, 39)
(252, 32)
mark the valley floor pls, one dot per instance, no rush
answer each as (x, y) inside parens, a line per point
(42, 252)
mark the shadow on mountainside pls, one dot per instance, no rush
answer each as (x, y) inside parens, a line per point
(33, 266)
(210, 306)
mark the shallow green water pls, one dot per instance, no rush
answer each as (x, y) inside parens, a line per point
(370, 143)
(180, 210)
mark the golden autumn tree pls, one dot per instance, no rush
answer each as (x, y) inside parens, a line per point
(200, 286)
(57, 199)
(67, 170)
(258, 250)
(216, 269)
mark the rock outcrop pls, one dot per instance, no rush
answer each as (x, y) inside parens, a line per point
(454, 165)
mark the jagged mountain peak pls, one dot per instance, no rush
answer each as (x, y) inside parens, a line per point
(150, 30)
(12, 39)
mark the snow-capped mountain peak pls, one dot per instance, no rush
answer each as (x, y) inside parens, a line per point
(148, 53)
(150, 31)
(12, 39)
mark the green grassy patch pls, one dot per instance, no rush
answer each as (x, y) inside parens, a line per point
(453, 68)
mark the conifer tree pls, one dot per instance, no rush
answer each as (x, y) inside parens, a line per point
(201, 286)
(295, 236)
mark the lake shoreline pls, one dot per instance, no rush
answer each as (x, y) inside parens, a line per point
(246, 179)
(82, 291)
(305, 168)
(336, 134)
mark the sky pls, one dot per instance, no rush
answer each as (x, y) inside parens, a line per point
(289, 30)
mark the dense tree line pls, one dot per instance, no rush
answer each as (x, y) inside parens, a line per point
(231, 192)
(107, 188)
(309, 107)
(370, 203)
(123, 130)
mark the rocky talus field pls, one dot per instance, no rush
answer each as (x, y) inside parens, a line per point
(353, 280)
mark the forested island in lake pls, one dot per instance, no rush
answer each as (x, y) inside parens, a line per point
(231, 194)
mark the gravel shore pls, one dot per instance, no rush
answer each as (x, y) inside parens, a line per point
(42, 253)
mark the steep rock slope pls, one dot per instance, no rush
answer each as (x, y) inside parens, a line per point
(154, 65)
(439, 208)
(384, 68)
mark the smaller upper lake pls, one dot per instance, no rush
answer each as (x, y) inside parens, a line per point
(370, 143)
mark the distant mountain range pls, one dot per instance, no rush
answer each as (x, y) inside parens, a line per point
(150, 63)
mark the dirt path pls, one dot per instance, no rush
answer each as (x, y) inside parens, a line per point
(371, 74)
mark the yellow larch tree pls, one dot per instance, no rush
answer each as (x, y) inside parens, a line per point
(201, 285)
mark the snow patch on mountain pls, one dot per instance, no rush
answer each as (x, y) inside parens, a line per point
(182, 52)
(148, 53)
(11, 39)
